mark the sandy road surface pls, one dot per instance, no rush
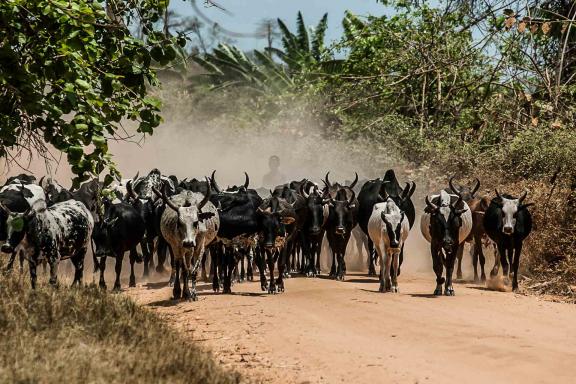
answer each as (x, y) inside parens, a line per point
(323, 331)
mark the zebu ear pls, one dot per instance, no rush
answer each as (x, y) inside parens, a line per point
(430, 207)
(206, 215)
(524, 206)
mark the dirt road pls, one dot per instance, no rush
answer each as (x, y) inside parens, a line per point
(323, 331)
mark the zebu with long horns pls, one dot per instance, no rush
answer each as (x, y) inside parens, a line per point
(378, 191)
(313, 229)
(445, 223)
(477, 238)
(189, 224)
(508, 223)
(239, 225)
(342, 218)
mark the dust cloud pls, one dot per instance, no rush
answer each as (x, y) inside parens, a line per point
(186, 148)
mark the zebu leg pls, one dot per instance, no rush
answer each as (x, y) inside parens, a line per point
(438, 267)
(118, 270)
(515, 265)
(102, 268)
(133, 259)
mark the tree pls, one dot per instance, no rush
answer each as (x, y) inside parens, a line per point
(71, 71)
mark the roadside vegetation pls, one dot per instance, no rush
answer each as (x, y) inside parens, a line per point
(89, 336)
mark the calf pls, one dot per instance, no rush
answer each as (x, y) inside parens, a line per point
(508, 223)
(121, 229)
(276, 217)
(56, 233)
(189, 224)
(445, 223)
(388, 229)
(342, 218)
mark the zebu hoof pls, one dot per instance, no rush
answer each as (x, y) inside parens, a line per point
(116, 288)
(515, 288)
(264, 287)
(449, 291)
(483, 277)
(102, 286)
(382, 288)
(160, 269)
(132, 282)
(227, 291)
(272, 289)
(438, 291)
(394, 289)
(171, 281)
(177, 294)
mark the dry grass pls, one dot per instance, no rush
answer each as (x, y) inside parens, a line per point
(88, 336)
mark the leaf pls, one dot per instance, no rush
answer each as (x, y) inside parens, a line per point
(509, 12)
(82, 84)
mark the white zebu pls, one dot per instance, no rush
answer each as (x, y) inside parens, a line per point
(388, 228)
(445, 223)
(189, 224)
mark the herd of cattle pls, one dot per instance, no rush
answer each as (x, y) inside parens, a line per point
(192, 220)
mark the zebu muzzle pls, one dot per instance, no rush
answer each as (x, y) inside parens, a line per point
(7, 248)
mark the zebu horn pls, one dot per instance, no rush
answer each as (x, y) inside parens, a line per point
(213, 182)
(206, 198)
(355, 181)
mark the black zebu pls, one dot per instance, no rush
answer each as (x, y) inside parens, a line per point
(377, 191)
(120, 230)
(313, 230)
(508, 223)
(294, 238)
(276, 219)
(141, 196)
(342, 218)
(239, 225)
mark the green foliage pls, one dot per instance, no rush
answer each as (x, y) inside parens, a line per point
(303, 53)
(227, 66)
(70, 72)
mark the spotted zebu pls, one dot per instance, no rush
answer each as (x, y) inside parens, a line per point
(55, 233)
